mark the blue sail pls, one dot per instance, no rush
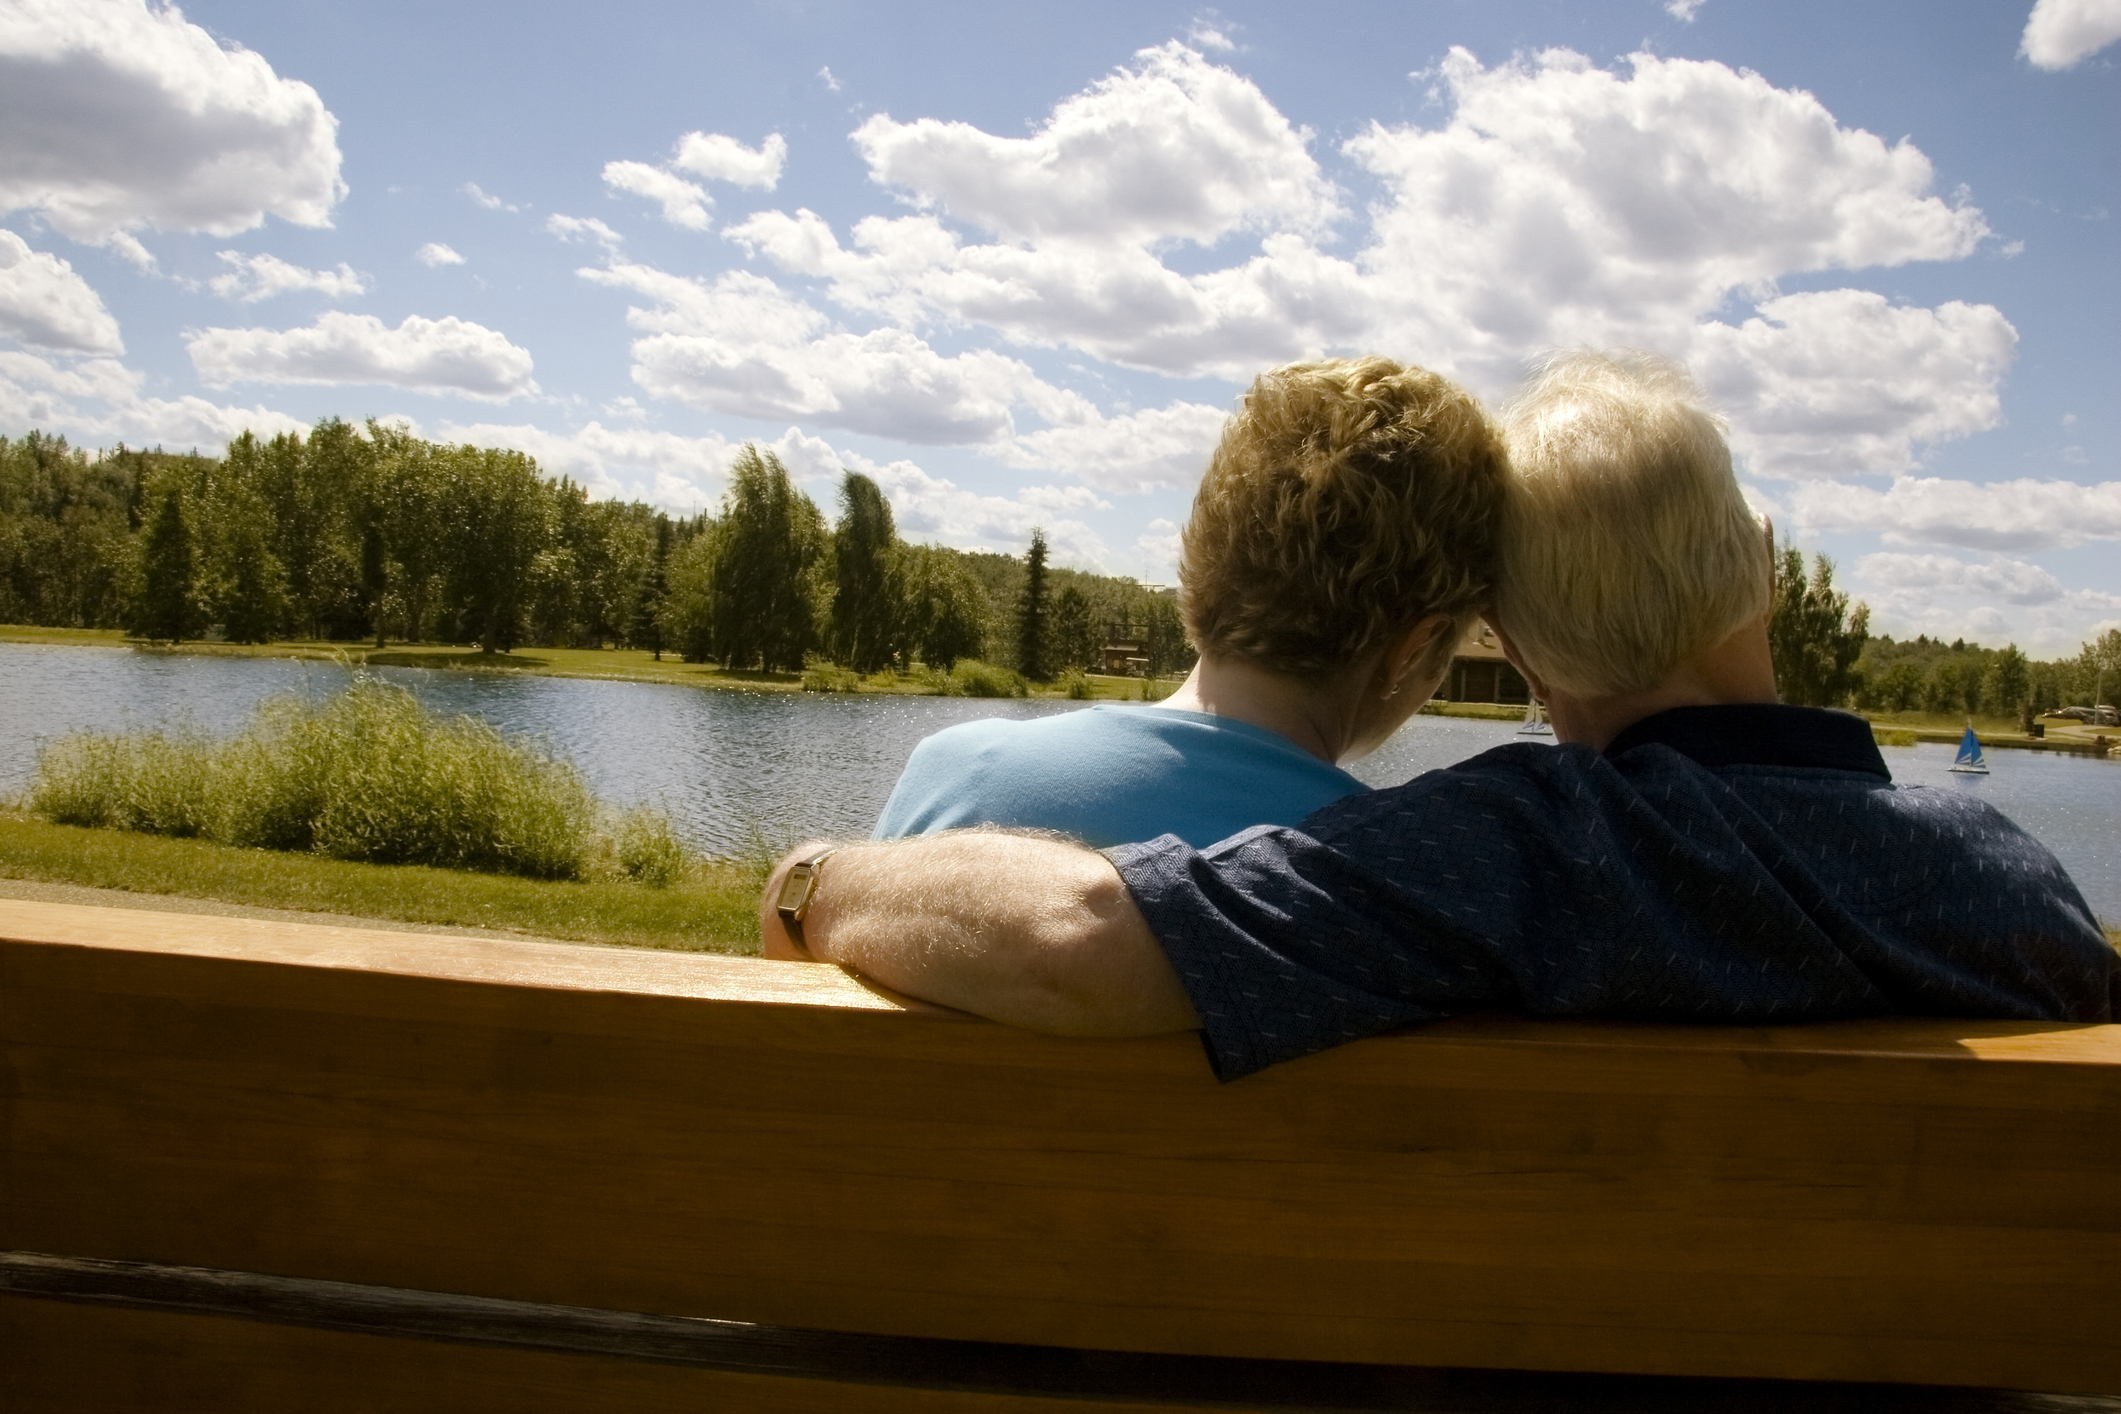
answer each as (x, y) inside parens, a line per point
(1970, 758)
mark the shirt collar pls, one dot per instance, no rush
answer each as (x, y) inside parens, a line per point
(1759, 734)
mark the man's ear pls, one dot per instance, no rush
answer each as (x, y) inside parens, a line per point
(1509, 651)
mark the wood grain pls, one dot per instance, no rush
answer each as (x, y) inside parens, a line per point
(1912, 1200)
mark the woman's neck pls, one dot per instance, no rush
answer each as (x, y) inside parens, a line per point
(1323, 718)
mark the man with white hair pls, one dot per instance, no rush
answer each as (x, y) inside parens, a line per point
(1691, 849)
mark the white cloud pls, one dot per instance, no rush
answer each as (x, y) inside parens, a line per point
(2061, 33)
(684, 203)
(448, 355)
(100, 398)
(1167, 446)
(115, 116)
(583, 228)
(1159, 550)
(2001, 515)
(1683, 10)
(434, 255)
(1989, 601)
(831, 83)
(936, 509)
(487, 199)
(256, 277)
(1564, 203)
(1174, 149)
(683, 474)
(1203, 34)
(743, 345)
(1842, 383)
(45, 304)
(723, 159)
(1560, 203)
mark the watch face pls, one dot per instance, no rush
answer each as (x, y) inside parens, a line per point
(795, 890)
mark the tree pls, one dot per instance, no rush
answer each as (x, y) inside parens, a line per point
(768, 541)
(1075, 640)
(2006, 686)
(1897, 689)
(168, 608)
(2102, 656)
(942, 604)
(1031, 636)
(500, 519)
(864, 608)
(1813, 636)
(647, 628)
(1164, 640)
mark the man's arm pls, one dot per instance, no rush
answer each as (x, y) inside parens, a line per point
(1032, 932)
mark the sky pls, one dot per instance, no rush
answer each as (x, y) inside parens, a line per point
(1017, 261)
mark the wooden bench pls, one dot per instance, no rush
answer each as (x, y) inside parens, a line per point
(250, 1165)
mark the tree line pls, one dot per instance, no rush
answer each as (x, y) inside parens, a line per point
(370, 533)
(1825, 657)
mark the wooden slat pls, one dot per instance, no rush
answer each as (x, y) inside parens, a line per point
(1920, 1201)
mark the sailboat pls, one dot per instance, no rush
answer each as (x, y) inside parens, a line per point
(1970, 762)
(1535, 721)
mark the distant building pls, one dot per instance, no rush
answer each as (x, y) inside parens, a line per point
(1479, 672)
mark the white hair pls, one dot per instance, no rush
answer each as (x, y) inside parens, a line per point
(1626, 545)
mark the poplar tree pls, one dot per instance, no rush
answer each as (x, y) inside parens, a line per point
(863, 612)
(1031, 659)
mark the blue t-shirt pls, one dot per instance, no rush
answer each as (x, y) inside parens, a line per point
(1110, 774)
(1735, 864)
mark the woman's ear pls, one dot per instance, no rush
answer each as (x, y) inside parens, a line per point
(1413, 650)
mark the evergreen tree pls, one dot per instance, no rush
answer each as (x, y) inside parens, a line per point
(647, 630)
(168, 608)
(1164, 638)
(1814, 637)
(1031, 635)
(864, 611)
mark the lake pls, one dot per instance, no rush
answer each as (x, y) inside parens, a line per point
(732, 766)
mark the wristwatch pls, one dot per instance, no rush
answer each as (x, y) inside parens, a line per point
(797, 890)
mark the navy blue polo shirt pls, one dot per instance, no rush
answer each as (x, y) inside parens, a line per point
(1747, 863)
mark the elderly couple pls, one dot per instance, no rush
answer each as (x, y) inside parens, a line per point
(1690, 850)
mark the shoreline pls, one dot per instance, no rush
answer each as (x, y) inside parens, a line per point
(639, 665)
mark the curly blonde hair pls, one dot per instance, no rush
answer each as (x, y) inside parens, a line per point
(1348, 499)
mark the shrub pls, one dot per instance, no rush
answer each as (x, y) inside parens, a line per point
(368, 775)
(976, 679)
(645, 846)
(822, 676)
(1075, 684)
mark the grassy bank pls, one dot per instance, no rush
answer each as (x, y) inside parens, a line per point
(600, 664)
(711, 909)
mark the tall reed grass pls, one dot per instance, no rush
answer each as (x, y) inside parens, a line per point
(367, 775)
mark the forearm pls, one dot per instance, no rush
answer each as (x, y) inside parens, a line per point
(1032, 932)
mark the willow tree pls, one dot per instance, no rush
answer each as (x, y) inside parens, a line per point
(766, 544)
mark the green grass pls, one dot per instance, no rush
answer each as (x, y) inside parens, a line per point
(712, 908)
(367, 775)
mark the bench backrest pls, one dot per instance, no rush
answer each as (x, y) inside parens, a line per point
(687, 1135)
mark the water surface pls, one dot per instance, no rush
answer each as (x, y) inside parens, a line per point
(734, 765)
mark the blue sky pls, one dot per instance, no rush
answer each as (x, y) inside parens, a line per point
(1016, 261)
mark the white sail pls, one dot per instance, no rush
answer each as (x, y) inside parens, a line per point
(1535, 721)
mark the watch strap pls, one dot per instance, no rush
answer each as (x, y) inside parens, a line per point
(792, 915)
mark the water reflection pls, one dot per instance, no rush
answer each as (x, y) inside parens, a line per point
(731, 766)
